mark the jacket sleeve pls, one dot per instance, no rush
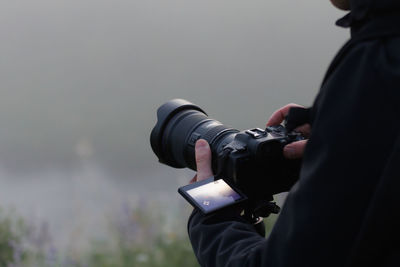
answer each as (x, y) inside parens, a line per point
(353, 132)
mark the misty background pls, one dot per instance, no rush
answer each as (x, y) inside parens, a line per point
(80, 82)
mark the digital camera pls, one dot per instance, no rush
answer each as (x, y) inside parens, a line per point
(251, 160)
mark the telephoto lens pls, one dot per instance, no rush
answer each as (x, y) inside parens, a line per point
(179, 125)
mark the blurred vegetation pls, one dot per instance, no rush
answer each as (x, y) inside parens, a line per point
(136, 237)
(8, 238)
(144, 237)
(23, 244)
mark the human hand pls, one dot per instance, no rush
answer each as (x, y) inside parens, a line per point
(203, 161)
(293, 150)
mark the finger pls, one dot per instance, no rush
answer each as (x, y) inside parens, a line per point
(278, 116)
(194, 179)
(203, 160)
(295, 150)
(305, 129)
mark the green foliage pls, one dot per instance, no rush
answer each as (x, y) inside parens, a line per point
(11, 229)
(163, 253)
(138, 237)
(6, 236)
(144, 239)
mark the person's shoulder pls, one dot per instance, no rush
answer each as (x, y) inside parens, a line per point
(374, 62)
(389, 58)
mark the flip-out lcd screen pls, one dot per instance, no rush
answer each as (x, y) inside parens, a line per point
(212, 195)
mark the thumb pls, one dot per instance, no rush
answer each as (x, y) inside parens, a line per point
(295, 150)
(203, 160)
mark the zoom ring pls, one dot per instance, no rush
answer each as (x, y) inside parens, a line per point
(213, 133)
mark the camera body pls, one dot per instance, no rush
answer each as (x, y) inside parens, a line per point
(254, 162)
(251, 160)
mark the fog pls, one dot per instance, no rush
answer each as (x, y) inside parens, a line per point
(80, 82)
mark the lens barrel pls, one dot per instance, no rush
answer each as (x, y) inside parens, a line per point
(180, 124)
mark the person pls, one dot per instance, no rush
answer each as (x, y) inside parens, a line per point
(344, 209)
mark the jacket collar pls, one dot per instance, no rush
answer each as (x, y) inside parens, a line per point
(373, 25)
(364, 11)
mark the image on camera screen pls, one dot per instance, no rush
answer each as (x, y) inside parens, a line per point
(214, 195)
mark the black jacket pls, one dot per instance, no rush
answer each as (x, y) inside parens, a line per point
(344, 210)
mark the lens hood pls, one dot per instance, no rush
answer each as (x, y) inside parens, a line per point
(164, 114)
